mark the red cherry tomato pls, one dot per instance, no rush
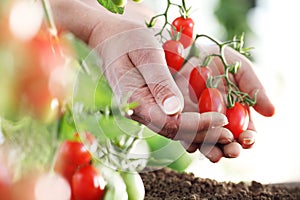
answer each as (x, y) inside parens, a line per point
(42, 57)
(71, 155)
(211, 100)
(6, 177)
(186, 27)
(88, 184)
(5, 188)
(197, 81)
(238, 119)
(174, 55)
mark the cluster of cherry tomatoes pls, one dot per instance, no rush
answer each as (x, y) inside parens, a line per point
(74, 163)
(209, 99)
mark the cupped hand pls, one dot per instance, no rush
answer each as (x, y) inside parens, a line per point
(247, 81)
(135, 67)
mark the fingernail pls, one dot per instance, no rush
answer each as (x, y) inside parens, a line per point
(172, 105)
(219, 119)
(248, 141)
(225, 141)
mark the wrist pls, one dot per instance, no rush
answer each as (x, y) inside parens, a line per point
(76, 17)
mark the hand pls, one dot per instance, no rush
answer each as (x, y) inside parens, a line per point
(135, 67)
(247, 81)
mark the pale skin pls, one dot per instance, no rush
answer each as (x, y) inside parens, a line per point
(136, 66)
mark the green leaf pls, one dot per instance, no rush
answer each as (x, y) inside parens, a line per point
(194, 52)
(29, 144)
(109, 5)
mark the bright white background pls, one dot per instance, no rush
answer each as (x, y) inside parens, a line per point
(276, 154)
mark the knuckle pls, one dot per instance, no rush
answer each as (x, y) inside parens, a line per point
(171, 127)
(160, 90)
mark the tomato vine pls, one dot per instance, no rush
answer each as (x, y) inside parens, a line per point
(237, 43)
(184, 11)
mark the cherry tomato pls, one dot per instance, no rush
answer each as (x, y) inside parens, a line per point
(35, 86)
(197, 81)
(6, 177)
(238, 119)
(186, 27)
(71, 155)
(211, 100)
(174, 55)
(5, 188)
(88, 184)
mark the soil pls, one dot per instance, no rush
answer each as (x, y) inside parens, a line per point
(165, 184)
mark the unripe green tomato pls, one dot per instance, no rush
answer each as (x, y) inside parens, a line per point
(116, 187)
(119, 3)
(134, 185)
(138, 1)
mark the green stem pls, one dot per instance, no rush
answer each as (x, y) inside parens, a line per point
(208, 37)
(49, 18)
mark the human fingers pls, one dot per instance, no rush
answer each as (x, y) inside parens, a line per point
(153, 68)
(248, 82)
(232, 150)
(247, 139)
(203, 128)
(215, 152)
(147, 56)
(212, 152)
(189, 127)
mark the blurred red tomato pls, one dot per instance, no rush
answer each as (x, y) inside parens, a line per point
(71, 155)
(5, 180)
(88, 184)
(42, 56)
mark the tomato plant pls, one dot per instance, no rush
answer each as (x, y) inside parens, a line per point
(174, 53)
(211, 100)
(87, 184)
(238, 119)
(70, 156)
(185, 27)
(197, 81)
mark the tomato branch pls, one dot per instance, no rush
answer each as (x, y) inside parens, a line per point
(234, 94)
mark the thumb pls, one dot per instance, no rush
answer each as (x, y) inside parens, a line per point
(153, 67)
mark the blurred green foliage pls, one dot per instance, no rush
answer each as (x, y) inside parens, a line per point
(233, 16)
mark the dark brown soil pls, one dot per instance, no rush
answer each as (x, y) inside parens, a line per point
(165, 184)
